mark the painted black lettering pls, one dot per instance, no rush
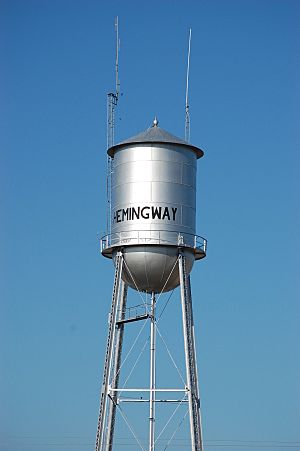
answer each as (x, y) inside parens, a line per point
(119, 216)
(166, 213)
(156, 212)
(174, 210)
(136, 213)
(125, 214)
(146, 212)
(145, 215)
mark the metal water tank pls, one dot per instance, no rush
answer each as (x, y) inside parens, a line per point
(153, 208)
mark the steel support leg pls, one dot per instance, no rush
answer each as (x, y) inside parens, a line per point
(109, 352)
(152, 374)
(116, 369)
(190, 357)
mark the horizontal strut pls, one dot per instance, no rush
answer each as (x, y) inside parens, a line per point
(182, 390)
(179, 401)
(134, 318)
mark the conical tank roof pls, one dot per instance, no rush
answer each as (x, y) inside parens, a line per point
(155, 134)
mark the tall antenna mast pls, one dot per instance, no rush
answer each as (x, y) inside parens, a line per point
(117, 57)
(187, 108)
(112, 102)
(113, 97)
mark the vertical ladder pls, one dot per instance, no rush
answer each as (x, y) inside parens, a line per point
(112, 101)
(109, 352)
(190, 356)
(116, 368)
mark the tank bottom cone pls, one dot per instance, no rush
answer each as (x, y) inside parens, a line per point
(152, 268)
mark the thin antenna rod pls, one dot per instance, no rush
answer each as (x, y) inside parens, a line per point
(187, 108)
(117, 57)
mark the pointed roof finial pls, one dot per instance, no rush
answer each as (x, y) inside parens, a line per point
(155, 122)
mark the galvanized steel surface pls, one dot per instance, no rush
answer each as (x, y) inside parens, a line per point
(153, 268)
(153, 208)
(155, 134)
(154, 187)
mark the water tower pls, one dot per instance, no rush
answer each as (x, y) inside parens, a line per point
(153, 245)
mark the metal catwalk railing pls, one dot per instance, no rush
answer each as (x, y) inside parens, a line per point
(157, 237)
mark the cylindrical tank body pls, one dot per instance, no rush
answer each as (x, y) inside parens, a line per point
(153, 207)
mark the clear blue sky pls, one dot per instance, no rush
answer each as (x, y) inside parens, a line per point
(57, 67)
